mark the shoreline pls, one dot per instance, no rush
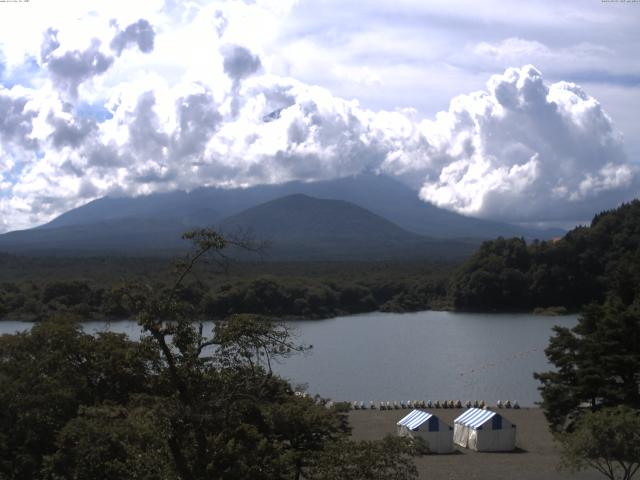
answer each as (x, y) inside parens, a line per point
(537, 312)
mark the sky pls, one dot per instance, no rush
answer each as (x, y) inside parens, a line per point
(525, 112)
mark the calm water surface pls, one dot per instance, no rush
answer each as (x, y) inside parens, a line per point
(424, 355)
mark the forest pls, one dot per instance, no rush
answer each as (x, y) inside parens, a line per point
(571, 272)
(32, 288)
(503, 275)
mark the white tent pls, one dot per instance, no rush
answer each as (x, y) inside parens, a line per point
(484, 431)
(437, 434)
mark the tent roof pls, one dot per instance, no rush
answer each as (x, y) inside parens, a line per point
(415, 419)
(475, 417)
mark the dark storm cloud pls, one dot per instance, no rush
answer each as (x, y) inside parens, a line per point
(150, 175)
(15, 122)
(72, 167)
(240, 63)
(105, 157)
(70, 132)
(87, 189)
(72, 68)
(145, 134)
(199, 118)
(140, 33)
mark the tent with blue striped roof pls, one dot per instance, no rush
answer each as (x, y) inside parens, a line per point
(437, 434)
(484, 431)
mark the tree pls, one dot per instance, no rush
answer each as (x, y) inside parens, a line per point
(182, 403)
(494, 277)
(389, 458)
(584, 266)
(111, 441)
(48, 373)
(597, 363)
(607, 440)
(228, 415)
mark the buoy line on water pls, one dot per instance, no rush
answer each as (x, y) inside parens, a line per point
(499, 362)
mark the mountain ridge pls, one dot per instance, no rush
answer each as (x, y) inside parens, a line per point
(379, 194)
(297, 226)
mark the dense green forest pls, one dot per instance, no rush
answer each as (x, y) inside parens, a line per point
(34, 288)
(580, 268)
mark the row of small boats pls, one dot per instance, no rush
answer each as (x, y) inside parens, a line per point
(410, 404)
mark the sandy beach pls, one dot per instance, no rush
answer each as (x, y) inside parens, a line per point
(536, 456)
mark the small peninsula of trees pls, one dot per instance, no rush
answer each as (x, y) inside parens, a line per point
(33, 289)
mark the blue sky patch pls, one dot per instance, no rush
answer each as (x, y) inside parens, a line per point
(23, 74)
(94, 111)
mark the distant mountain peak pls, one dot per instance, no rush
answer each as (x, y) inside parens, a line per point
(162, 215)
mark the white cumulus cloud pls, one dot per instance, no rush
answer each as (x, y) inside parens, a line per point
(99, 120)
(526, 150)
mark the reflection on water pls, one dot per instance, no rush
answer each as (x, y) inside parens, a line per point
(413, 356)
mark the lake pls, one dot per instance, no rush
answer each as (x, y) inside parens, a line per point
(411, 356)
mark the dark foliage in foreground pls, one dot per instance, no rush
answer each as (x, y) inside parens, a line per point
(49, 373)
(580, 268)
(592, 396)
(607, 440)
(597, 364)
(182, 403)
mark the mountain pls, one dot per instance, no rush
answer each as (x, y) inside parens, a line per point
(115, 236)
(301, 227)
(380, 194)
(296, 227)
(303, 217)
